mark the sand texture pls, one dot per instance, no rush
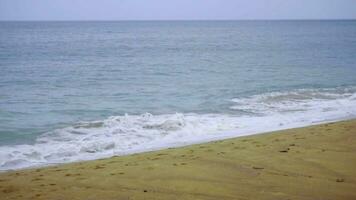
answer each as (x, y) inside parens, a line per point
(317, 162)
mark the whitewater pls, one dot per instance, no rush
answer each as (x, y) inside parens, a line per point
(127, 134)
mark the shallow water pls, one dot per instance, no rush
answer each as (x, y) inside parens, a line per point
(83, 90)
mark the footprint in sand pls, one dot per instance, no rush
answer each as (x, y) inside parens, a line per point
(8, 190)
(161, 154)
(73, 174)
(340, 180)
(37, 179)
(258, 168)
(284, 150)
(183, 163)
(112, 162)
(300, 138)
(99, 167)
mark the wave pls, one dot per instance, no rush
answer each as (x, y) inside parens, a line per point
(302, 100)
(119, 135)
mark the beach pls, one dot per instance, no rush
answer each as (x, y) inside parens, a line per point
(124, 100)
(315, 162)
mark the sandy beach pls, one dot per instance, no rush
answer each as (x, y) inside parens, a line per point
(316, 162)
(177, 100)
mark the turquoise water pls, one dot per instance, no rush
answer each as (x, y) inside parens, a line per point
(109, 88)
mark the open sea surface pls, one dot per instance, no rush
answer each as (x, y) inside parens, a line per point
(73, 91)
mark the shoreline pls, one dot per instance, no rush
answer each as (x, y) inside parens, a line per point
(300, 163)
(224, 136)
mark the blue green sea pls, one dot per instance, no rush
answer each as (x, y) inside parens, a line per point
(72, 91)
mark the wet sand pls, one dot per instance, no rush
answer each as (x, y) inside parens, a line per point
(316, 162)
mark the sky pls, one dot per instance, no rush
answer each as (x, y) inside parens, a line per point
(175, 9)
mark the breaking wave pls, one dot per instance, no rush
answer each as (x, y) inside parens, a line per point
(119, 135)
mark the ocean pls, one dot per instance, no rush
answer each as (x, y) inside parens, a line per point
(72, 91)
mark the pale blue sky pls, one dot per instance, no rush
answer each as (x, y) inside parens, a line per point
(175, 9)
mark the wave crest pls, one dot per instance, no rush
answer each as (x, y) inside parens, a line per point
(118, 135)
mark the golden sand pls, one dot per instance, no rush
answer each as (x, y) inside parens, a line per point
(317, 162)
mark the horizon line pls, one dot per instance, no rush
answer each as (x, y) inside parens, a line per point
(143, 20)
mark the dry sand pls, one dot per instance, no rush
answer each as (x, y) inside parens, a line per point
(317, 162)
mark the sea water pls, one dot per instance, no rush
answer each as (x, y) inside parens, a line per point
(72, 91)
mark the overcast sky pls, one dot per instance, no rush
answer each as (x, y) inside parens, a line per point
(175, 9)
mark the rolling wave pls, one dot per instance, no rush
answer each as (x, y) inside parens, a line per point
(119, 135)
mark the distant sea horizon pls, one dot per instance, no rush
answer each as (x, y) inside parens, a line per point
(173, 20)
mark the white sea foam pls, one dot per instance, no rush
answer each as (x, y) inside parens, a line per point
(126, 134)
